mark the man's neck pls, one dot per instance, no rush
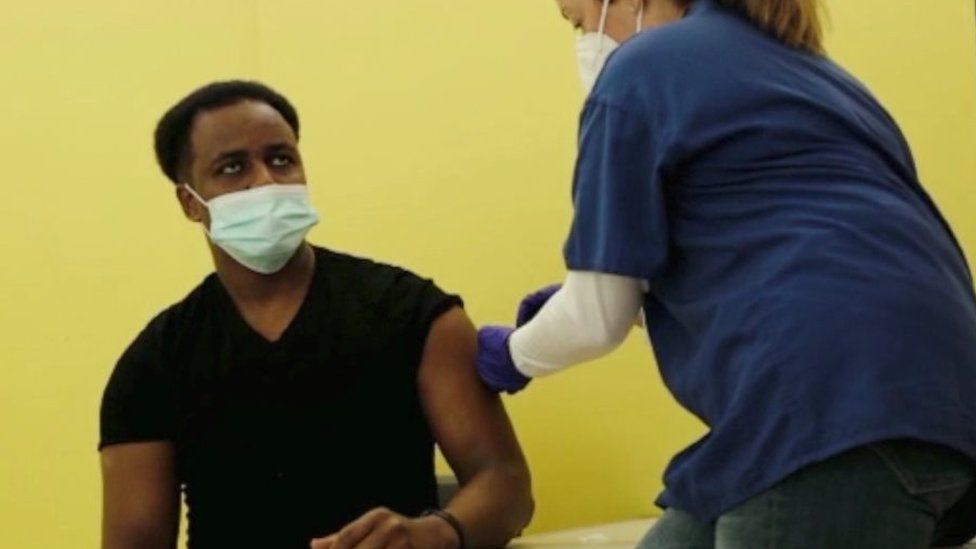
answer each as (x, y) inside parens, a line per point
(248, 287)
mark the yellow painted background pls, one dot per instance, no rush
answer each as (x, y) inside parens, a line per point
(438, 134)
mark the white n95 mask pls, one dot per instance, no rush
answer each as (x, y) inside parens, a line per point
(262, 227)
(594, 48)
(592, 51)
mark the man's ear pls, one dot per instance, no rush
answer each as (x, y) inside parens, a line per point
(192, 208)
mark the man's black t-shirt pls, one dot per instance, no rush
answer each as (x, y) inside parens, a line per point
(278, 442)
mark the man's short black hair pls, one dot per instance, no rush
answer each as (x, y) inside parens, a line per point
(173, 131)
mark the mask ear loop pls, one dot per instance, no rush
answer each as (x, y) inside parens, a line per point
(640, 17)
(194, 194)
(190, 190)
(602, 27)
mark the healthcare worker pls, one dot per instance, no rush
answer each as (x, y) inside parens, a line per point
(804, 296)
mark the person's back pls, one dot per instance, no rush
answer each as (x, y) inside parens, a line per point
(801, 280)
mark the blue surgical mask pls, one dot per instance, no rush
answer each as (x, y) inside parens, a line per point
(262, 227)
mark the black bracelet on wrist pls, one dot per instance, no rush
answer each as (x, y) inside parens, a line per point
(451, 520)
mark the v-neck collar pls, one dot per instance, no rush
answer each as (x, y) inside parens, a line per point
(239, 326)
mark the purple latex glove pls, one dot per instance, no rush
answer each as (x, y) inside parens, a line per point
(494, 361)
(532, 303)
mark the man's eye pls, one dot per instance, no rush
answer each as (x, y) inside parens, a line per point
(232, 168)
(281, 161)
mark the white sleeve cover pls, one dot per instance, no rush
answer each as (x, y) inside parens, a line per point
(589, 317)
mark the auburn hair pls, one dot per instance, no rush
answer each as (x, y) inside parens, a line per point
(794, 22)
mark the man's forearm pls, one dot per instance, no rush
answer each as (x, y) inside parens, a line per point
(134, 538)
(494, 506)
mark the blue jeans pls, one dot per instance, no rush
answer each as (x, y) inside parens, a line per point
(890, 495)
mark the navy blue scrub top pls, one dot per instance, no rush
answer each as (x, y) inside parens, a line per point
(806, 296)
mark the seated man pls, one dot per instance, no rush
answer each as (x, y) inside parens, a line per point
(296, 394)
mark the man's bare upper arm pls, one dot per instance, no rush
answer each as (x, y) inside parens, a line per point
(140, 496)
(468, 422)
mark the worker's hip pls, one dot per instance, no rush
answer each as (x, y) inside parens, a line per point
(889, 495)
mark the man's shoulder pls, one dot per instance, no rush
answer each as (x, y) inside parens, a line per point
(182, 314)
(354, 271)
(390, 290)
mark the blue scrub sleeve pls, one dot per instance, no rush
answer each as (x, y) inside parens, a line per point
(620, 224)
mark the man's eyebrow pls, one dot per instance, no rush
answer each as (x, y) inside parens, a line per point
(280, 146)
(227, 155)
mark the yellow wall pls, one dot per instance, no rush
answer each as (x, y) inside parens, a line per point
(439, 135)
